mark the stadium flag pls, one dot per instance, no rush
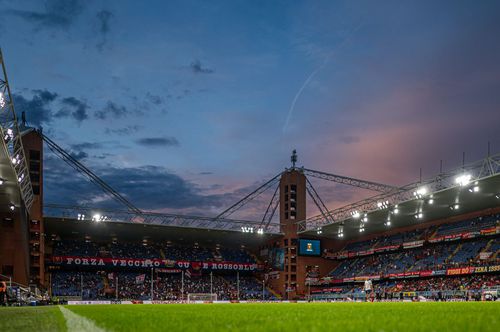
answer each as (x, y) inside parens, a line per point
(140, 279)
(188, 274)
(485, 254)
(111, 276)
(196, 269)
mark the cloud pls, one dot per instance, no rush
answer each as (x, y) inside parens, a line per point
(198, 68)
(152, 188)
(148, 187)
(158, 141)
(86, 146)
(37, 108)
(125, 131)
(73, 107)
(154, 99)
(58, 14)
(111, 110)
(104, 17)
(79, 155)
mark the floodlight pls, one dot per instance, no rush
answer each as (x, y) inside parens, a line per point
(260, 231)
(431, 201)
(2, 181)
(12, 207)
(96, 217)
(463, 179)
(422, 191)
(2, 100)
(474, 189)
(355, 214)
(319, 231)
(9, 134)
(383, 205)
(387, 223)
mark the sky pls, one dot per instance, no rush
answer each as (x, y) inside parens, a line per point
(187, 106)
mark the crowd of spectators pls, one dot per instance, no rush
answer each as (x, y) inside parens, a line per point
(166, 286)
(436, 257)
(149, 251)
(469, 225)
(80, 284)
(393, 288)
(430, 256)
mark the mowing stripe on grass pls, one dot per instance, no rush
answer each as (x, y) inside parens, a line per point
(79, 323)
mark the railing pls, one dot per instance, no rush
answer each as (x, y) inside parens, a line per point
(88, 214)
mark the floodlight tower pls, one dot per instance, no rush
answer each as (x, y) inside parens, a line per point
(292, 208)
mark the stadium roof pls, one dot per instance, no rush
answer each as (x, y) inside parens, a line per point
(132, 232)
(433, 205)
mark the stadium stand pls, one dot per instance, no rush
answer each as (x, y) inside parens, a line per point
(167, 287)
(135, 284)
(441, 261)
(149, 251)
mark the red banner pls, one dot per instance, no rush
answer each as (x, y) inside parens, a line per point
(149, 263)
(426, 273)
(327, 290)
(365, 252)
(453, 237)
(460, 270)
(490, 231)
(413, 244)
(387, 248)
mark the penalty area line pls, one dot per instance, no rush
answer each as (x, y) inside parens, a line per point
(75, 322)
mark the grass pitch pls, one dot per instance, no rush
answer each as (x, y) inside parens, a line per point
(460, 316)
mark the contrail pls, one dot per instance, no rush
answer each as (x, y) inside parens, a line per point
(297, 95)
(311, 76)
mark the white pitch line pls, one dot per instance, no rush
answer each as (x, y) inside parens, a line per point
(75, 322)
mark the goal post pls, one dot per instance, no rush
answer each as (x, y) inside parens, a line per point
(201, 297)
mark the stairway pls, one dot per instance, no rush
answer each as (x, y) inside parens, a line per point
(274, 293)
(485, 249)
(453, 253)
(105, 281)
(433, 233)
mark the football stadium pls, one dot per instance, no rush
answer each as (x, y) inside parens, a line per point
(103, 228)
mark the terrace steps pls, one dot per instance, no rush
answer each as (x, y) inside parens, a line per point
(459, 246)
(433, 234)
(486, 247)
(272, 291)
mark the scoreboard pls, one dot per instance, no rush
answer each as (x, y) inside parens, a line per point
(309, 247)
